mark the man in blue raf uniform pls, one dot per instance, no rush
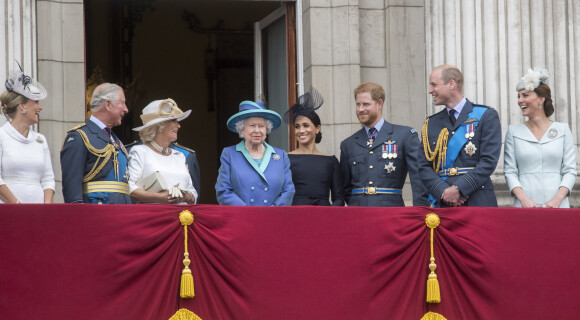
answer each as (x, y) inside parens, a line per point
(93, 159)
(461, 145)
(375, 160)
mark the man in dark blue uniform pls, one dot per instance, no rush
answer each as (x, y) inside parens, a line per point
(93, 159)
(461, 145)
(376, 159)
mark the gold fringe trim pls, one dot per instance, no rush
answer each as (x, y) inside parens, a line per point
(440, 148)
(433, 293)
(103, 154)
(433, 316)
(184, 314)
(187, 289)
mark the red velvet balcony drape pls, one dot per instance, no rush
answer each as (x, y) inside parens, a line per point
(124, 262)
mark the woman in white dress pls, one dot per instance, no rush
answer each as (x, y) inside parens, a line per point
(155, 157)
(539, 156)
(26, 174)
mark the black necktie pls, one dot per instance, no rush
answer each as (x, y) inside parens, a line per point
(452, 116)
(372, 133)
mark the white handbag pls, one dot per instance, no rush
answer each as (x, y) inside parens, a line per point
(153, 182)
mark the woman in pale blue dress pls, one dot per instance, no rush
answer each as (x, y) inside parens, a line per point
(539, 155)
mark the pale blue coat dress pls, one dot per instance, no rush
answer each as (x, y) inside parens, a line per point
(540, 168)
(244, 182)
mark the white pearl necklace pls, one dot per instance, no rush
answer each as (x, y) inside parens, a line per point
(163, 151)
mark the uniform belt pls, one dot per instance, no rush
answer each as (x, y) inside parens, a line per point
(454, 171)
(376, 190)
(105, 186)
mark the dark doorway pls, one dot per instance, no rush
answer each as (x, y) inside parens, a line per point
(199, 53)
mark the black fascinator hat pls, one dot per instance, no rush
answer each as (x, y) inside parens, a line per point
(306, 104)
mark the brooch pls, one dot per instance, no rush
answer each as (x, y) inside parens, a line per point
(553, 133)
(276, 157)
(470, 149)
(39, 140)
(390, 167)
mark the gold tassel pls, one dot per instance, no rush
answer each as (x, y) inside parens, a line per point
(184, 314)
(433, 316)
(433, 293)
(187, 289)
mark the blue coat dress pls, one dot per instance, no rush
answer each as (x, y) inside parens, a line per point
(242, 182)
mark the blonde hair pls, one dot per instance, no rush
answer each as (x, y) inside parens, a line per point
(148, 134)
(10, 101)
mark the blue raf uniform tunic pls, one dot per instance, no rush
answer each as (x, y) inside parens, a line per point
(476, 158)
(367, 169)
(243, 182)
(94, 166)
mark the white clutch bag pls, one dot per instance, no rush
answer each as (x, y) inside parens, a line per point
(153, 182)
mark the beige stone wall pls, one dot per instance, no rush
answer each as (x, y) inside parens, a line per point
(349, 42)
(495, 42)
(61, 68)
(397, 42)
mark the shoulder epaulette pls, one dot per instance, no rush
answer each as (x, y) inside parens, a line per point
(183, 147)
(76, 127)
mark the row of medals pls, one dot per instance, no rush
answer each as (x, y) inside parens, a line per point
(469, 134)
(121, 146)
(387, 154)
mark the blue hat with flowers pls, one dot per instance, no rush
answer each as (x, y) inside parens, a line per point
(250, 109)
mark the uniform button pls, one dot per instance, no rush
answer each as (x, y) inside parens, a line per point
(265, 201)
(370, 182)
(371, 152)
(482, 187)
(251, 200)
(370, 167)
(452, 132)
(252, 188)
(265, 189)
(354, 163)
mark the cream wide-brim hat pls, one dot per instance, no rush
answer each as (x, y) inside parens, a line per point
(159, 111)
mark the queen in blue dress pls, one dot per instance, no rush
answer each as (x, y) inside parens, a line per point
(316, 176)
(253, 173)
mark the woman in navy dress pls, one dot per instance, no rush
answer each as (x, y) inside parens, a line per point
(316, 176)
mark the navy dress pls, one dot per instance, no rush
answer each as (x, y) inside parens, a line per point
(314, 178)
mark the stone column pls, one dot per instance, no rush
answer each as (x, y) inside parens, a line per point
(18, 39)
(347, 42)
(61, 68)
(494, 42)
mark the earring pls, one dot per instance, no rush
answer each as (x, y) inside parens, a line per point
(540, 106)
(23, 111)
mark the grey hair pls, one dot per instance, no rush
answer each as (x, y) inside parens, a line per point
(148, 134)
(240, 127)
(104, 92)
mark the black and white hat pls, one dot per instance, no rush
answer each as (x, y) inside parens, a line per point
(25, 85)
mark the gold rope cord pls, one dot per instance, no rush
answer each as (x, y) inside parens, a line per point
(433, 294)
(104, 154)
(187, 289)
(440, 148)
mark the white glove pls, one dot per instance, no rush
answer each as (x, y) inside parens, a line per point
(175, 191)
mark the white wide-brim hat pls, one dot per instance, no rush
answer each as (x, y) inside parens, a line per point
(25, 85)
(159, 111)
